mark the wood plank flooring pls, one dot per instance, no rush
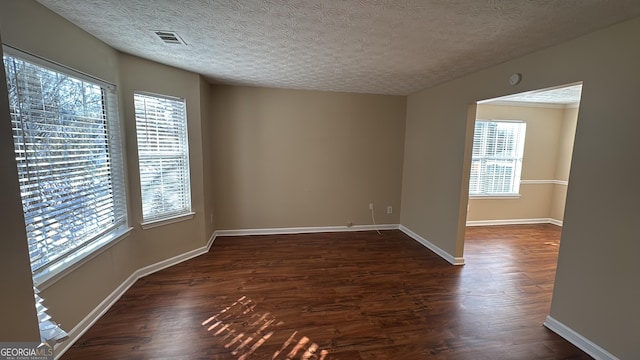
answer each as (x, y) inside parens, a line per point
(342, 296)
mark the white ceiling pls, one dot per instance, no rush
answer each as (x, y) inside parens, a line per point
(367, 46)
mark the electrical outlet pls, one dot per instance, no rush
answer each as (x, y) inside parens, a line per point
(389, 209)
(370, 206)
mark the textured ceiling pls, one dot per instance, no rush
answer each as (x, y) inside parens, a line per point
(368, 46)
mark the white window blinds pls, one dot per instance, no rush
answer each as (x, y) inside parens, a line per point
(496, 161)
(163, 154)
(50, 331)
(67, 144)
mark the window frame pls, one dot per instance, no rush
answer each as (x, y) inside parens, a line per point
(187, 212)
(519, 159)
(104, 238)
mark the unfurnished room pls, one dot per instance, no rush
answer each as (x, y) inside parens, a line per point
(322, 179)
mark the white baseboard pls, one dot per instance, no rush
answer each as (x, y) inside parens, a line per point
(161, 265)
(116, 294)
(578, 340)
(454, 260)
(514, 222)
(555, 222)
(305, 230)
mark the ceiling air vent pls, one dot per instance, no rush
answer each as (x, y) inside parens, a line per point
(169, 37)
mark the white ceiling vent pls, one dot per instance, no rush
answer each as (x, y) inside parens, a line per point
(169, 37)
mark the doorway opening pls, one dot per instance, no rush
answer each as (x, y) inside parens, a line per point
(524, 190)
(521, 157)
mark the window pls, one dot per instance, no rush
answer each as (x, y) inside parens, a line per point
(68, 151)
(496, 160)
(163, 154)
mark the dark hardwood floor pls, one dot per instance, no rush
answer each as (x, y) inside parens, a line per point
(346, 296)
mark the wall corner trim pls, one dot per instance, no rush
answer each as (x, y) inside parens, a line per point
(578, 340)
(93, 316)
(453, 260)
(556, 222)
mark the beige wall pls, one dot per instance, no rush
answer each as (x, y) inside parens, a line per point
(17, 310)
(547, 156)
(593, 293)
(534, 203)
(293, 158)
(563, 165)
(207, 158)
(32, 28)
(558, 202)
(565, 148)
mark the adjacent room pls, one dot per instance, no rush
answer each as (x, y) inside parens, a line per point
(521, 157)
(320, 180)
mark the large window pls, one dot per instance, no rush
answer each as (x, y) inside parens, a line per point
(163, 154)
(67, 146)
(496, 160)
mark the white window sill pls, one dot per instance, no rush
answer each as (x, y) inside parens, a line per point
(166, 221)
(61, 269)
(495, 197)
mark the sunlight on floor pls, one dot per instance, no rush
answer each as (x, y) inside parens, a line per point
(235, 326)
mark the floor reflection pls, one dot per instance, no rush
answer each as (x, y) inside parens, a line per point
(244, 331)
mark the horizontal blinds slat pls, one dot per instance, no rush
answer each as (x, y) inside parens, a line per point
(64, 207)
(57, 164)
(77, 165)
(53, 122)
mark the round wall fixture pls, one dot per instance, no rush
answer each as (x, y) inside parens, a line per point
(515, 79)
